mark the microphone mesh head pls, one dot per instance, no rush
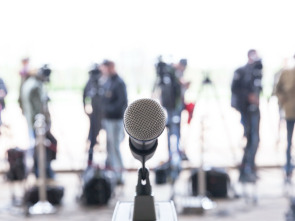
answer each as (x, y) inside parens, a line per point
(144, 119)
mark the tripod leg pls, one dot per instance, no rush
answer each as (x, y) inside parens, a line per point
(224, 124)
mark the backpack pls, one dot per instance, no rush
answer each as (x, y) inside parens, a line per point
(54, 195)
(98, 186)
(17, 167)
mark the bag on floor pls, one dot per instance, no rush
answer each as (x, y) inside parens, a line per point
(17, 167)
(98, 186)
(54, 195)
(217, 183)
(162, 173)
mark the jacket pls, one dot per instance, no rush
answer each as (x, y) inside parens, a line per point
(171, 96)
(34, 101)
(285, 91)
(246, 81)
(114, 98)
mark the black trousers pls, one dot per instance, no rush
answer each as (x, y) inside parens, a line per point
(252, 121)
(95, 126)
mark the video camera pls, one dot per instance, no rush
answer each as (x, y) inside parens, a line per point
(44, 71)
(258, 64)
(94, 69)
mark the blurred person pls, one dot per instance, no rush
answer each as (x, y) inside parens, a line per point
(246, 87)
(113, 105)
(35, 99)
(173, 88)
(25, 71)
(92, 95)
(3, 93)
(274, 91)
(285, 91)
(24, 74)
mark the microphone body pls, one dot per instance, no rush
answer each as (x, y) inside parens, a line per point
(144, 121)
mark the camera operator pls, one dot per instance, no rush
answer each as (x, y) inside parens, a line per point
(92, 94)
(114, 104)
(172, 88)
(35, 99)
(246, 87)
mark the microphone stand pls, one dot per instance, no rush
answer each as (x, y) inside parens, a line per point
(144, 205)
(42, 207)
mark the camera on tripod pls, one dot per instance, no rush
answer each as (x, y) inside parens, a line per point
(94, 69)
(167, 70)
(206, 79)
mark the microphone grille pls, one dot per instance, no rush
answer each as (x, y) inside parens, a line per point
(144, 119)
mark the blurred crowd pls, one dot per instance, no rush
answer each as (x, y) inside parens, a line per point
(105, 100)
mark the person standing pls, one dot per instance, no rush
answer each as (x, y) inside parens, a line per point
(25, 71)
(285, 91)
(92, 93)
(24, 74)
(114, 104)
(246, 87)
(35, 99)
(173, 88)
(3, 93)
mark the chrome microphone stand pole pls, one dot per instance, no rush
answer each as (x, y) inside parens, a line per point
(42, 207)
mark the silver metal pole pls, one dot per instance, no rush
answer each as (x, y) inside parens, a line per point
(42, 206)
(40, 132)
(201, 174)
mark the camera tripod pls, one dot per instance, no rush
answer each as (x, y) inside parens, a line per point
(207, 82)
(201, 202)
(249, 190)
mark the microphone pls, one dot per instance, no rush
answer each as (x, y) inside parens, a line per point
(144, 122)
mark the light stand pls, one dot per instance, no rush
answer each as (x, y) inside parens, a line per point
(42, 207)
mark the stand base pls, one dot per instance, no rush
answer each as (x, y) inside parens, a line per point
(165, 211)
(197, 204)
(144, 208)
(42, 208)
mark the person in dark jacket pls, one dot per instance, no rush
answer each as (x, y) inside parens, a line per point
(92, 94)
(113, 106)
(173, 88)
(246, 87)
(3, 93)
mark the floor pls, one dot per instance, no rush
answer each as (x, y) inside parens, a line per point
(271, 192)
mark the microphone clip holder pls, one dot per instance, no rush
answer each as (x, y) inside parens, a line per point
(143, 189)
(144, 205)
